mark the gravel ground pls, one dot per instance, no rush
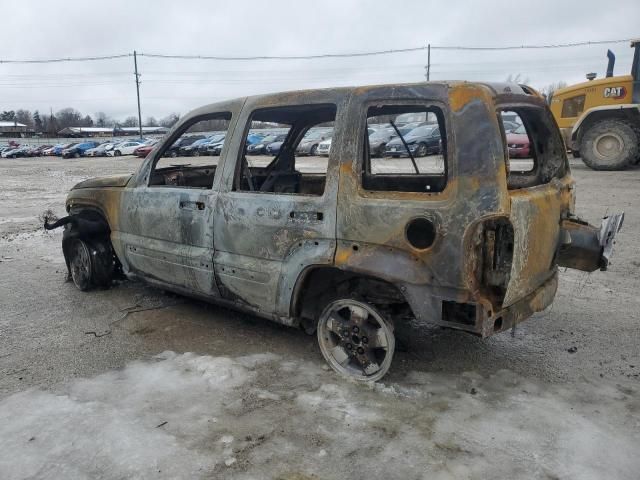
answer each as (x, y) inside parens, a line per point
(556, 398)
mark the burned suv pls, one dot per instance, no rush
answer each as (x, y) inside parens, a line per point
(349, 244)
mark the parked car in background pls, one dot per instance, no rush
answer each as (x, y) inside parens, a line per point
(49, 151)
(518, 143)
(100, 150)
(309, 143)
(274, 148)
(57, 150)
(78, 150)
(190, 149)
(510, 126)
(261, 148)
(324, 148)
(254, 138)
(143, 150)
(421, 142)
(21, 151)
(36, 150)
(124, 148)
(213, 146)
(378, 141)
(174, 150)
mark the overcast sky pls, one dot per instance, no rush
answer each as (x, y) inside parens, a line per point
(38, 29)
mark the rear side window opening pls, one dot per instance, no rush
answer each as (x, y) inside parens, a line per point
(404, 149)
(534, 150)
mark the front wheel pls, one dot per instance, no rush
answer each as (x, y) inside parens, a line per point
(80, 265)
(117, 153)
(76, 155)
(609, 145)
(356, 339)
(313, 151)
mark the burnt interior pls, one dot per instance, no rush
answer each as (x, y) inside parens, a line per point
(281, 174)
(497, 257)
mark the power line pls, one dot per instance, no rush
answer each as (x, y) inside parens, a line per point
(70, 59)
(317, 56)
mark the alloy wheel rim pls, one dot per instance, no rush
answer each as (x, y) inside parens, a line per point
(355, 340)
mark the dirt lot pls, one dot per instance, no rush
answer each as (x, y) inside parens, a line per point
(88, 390)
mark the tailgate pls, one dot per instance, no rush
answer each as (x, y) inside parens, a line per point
(535, 216)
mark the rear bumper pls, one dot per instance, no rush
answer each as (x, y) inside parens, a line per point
(515, 313)
(585, 247)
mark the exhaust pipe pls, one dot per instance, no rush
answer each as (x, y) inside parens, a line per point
(612, 62)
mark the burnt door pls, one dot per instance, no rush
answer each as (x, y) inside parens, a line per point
(275, 215)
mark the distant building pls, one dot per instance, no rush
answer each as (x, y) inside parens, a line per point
(13, 129)
(110, 132)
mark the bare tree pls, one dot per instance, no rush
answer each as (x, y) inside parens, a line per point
(24, 117)
(170, 120)
(103, 120)
(38, 126)
(87, 121)
(68, 117)
(517, 78)
(8, 116)
(130, 122)
(152, 122)
(548, 90)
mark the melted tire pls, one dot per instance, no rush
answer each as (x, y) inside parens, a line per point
(80, 264)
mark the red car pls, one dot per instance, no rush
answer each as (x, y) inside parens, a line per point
(144, 150)
(518, 143)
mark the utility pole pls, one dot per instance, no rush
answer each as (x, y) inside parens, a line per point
(135, 65)
(428, 61)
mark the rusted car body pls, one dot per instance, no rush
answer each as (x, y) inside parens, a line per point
(475, 248)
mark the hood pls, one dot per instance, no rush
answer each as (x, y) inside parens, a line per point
(100, 182)
(518, 138)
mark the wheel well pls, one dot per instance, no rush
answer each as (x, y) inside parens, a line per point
(317, 284)
(631, 115)
(95, 226)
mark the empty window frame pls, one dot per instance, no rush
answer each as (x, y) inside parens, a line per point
(190, 160)
(405, 149)
(286, 150)
(534, 151)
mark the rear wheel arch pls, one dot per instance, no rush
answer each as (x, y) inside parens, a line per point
(319, 284)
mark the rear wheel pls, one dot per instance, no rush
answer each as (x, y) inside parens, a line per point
(76, 155)
(313, 151)
(421, 151)
(609, 145)
(356, 339)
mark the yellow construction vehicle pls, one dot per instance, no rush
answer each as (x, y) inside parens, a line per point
(600, 119)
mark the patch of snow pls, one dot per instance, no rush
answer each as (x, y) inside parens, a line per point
(192, 416)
